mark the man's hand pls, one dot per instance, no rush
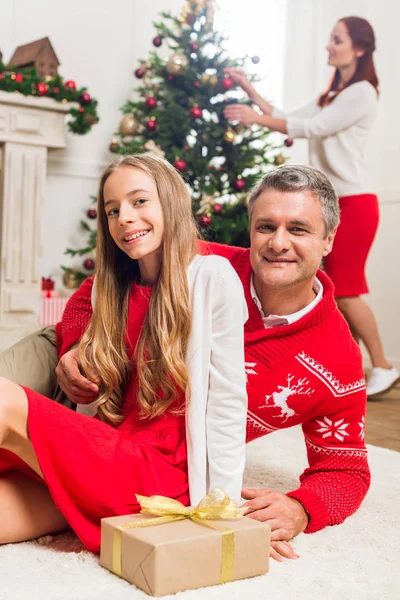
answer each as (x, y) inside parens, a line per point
(285, 515)
(78, 388)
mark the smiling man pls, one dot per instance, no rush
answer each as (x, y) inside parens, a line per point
(302, 363)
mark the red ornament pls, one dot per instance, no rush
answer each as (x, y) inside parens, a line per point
(85, 98)
(190, 19)
(1, 75)
(151, 102)
(227, 83)
(56, 90)
(157, 41)
(41, 88)
(151, 125)
(70, 84)
(92, 213)
(89, 264)
(217, 209)
(196, 112)
(288, 142)
(81, 110)
(196, 84)
(19, 78)
(255, 60)
(180, 165)
(239, 185)
(139, 73)
(193, 46)
(204, 221)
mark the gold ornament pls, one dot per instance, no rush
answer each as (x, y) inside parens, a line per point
(70, 280)
(206, 78)
(279, 160)
(230, 135)
(176, 63)
(128, 125)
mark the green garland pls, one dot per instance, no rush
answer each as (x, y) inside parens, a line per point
(28, 83)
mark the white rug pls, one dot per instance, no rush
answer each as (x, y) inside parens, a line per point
(358, 560)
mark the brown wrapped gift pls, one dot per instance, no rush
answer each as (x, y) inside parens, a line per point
(177, 553)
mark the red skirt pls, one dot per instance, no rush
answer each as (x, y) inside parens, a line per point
(94, 470)
(345, 265)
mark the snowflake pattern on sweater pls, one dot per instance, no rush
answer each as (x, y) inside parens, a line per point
(308, 373)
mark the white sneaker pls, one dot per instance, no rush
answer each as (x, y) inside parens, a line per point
(381, 380)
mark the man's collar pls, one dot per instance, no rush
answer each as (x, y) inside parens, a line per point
(275, 320)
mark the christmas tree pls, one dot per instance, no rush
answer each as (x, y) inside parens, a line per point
(177, 112)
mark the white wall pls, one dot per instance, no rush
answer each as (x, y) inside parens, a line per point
(306, 75)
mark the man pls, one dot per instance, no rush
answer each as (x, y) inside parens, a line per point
(302, 363)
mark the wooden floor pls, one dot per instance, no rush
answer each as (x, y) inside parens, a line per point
(383, 420)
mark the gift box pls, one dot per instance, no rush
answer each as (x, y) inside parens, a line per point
(51, 310)
(174, 551)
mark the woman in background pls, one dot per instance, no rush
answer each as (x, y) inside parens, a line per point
(337, 125)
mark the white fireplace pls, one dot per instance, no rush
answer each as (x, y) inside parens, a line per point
(29, 128)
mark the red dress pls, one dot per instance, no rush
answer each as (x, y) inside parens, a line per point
(345, 265)
(94, 470)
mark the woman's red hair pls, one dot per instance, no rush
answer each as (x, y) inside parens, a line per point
(363, 38)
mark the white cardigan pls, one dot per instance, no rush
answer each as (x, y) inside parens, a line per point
(217, 405)
(337, 136)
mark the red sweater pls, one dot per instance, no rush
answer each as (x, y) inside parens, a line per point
(308, 373)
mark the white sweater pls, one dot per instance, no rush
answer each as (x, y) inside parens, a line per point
(217, 401)
(338, 134)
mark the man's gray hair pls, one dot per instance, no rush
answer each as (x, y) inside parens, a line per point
(301, 178)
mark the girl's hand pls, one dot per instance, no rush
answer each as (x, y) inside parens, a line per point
(239, 77)
(242, 113)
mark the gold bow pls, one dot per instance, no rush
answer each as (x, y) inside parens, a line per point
(215, 505)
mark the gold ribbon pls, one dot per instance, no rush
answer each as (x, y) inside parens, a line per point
(215, 505)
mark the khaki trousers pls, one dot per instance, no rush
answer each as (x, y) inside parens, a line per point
(32, 361)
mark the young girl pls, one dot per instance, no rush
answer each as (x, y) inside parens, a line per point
(337, 125)
(166, 343)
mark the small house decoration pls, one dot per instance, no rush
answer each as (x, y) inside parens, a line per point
(39, 55)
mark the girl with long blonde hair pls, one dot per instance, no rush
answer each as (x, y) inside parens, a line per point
(165, 343)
